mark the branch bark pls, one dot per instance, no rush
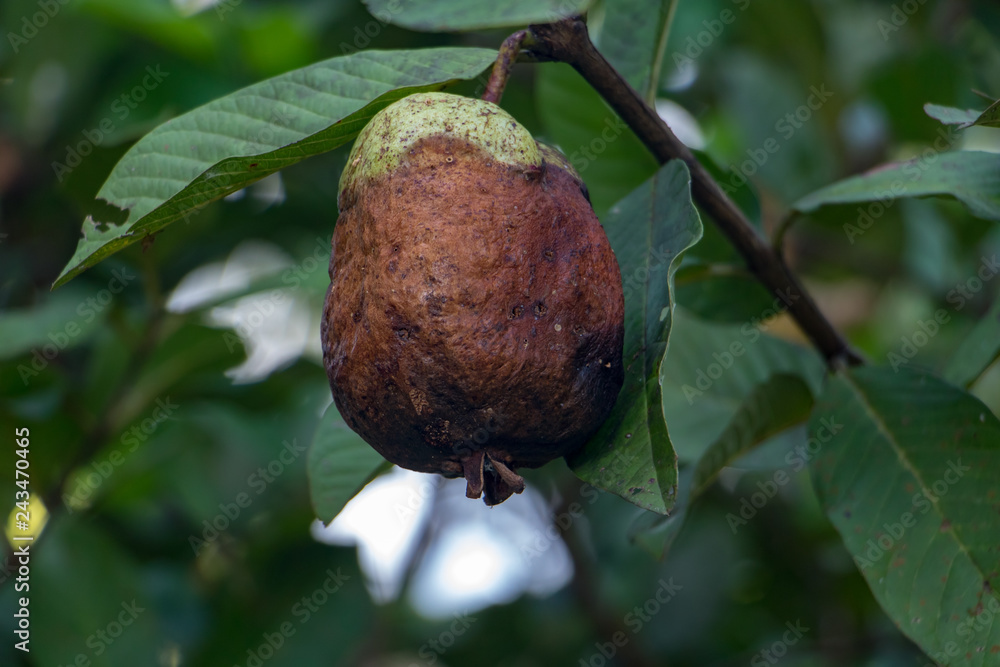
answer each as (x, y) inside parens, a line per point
(568, 41)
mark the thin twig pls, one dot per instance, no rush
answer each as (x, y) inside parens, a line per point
(501, 69)
(567, 41)
(778, 238)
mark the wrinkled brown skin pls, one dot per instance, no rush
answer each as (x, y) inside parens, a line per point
(474, 319)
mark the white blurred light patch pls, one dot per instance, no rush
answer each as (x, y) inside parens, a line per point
(268, 191)
(863, 124)
(276, 326)
(247, 262)
(484, 556)
(474, 556)
(683, 76)
(275, 330)
(683, 124)
(385, 521)
(192, 7)
(978, 138)
(46, 92)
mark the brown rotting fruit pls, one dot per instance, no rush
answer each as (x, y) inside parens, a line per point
(474, 320)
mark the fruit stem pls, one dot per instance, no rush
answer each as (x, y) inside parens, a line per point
(472, 469)
(510, 478)
(568, 41)
(501, 69)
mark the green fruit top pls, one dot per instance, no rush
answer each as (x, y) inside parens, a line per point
(384, 143)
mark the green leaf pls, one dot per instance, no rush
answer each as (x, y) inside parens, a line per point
(633, 39)
(631, 454)
(721, 293)
(951, 115)
(85, 582)
(977, 352)
(907, 475)
(340, 464)
(605, 152)
(972, 177)
(233, 141)
(63, 321)
(713, 368)
(773, 406)
(461, 15)
(990, 117)
(965, 117)
(779, 403)
(656, 533)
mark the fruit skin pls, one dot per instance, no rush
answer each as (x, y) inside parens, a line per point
(474, 320)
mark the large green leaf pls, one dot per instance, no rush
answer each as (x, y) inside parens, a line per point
(606, 153)
(460, 15)
(649, 230)
(223, 146)
(977, 352)
(781, 402)
(910, 483)
(713, 368)
(340, 463)
(972, 177)
(773, 406)
(633, 39)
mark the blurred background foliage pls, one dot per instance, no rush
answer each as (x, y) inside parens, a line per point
(168, 393)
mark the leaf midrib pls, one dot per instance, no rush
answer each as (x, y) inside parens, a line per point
(883, 429)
